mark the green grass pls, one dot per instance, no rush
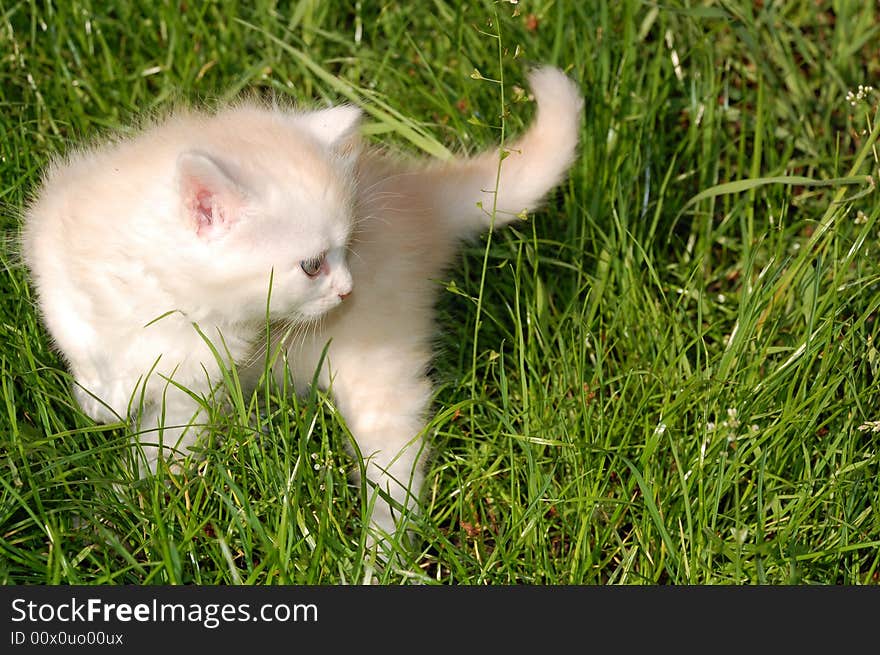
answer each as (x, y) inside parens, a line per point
(656, 379)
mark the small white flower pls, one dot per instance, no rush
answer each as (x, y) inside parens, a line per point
(855, 98)
(739, 535)
(732, 421)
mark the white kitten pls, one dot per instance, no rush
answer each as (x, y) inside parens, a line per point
(134, 244)
(409, 219)
(194, 215)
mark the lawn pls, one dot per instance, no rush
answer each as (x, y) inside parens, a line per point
(668, 375)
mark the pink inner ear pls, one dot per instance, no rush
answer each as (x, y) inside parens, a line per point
(204, 210)
(210, 199)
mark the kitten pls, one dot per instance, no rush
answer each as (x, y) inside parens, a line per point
(145, 249)
(134, 244)
(409, 218)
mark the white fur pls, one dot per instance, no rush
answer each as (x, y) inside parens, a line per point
(129, 270)
(111, 249)
(410, 217)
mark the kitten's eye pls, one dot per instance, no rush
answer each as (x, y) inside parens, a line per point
(312, 267)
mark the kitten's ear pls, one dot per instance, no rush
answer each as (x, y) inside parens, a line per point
(212, 200)
(335, 126)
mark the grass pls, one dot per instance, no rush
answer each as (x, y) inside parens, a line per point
(669, 375)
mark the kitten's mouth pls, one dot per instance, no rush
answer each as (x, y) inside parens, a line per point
(306, 317)
(307, 313)
(303, 315)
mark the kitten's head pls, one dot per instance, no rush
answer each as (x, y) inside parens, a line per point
(277, 205)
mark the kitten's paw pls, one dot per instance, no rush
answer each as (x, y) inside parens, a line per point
(389, 535)
(94, 406)
(149, 458)
(163, 441)
(105, 401)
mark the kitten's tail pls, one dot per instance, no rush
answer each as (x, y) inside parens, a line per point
(536, 162)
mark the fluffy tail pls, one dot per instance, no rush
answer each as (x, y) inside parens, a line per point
(465, 190)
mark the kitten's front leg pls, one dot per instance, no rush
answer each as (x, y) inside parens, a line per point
(167, 430)
(167, 427)
(384, 406)
(99, 403)
(101, 399)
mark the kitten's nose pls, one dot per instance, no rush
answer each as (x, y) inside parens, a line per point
(343, 296)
